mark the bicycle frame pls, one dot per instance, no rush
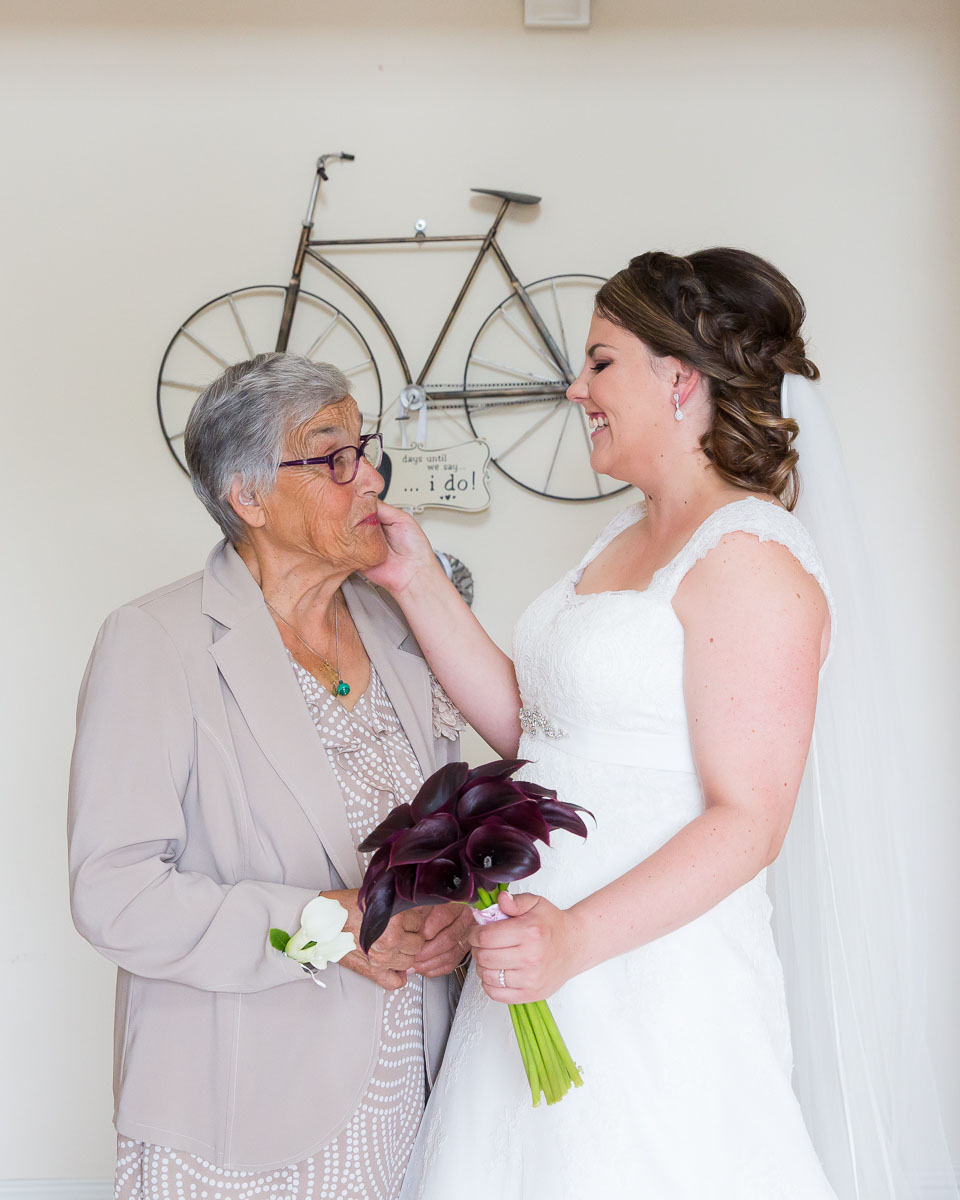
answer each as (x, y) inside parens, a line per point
(309, 248)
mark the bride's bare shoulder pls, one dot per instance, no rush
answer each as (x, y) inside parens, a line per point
(752, 584)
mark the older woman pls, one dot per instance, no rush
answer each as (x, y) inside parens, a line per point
(240, 732)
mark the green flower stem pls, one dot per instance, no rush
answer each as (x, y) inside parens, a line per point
(558, 1080)
(561, 1047)
(562, 1071)
(528, 1052)
(551, 1081)
(528, 1065)
(543, 1073)
(547, 1086)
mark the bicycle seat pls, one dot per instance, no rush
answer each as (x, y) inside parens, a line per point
(513, 197)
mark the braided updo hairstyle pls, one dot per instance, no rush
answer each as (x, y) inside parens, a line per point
(736, 319)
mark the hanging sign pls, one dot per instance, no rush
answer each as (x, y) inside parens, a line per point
(446, 477)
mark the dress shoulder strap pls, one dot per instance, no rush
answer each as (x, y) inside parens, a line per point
(623, 520)
(768, 521)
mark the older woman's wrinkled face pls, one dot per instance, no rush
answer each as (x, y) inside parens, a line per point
(307, 512)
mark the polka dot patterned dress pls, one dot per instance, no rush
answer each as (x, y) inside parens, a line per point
(376, 770)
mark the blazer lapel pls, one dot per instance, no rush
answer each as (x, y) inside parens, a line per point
(251, 659)
(401, 666)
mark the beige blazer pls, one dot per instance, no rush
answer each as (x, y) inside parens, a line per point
(202, 812)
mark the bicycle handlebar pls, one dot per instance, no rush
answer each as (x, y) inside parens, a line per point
(325, 158)
(322, 174)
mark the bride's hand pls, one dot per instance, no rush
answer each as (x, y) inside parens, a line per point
(538, 950)
(409, 552)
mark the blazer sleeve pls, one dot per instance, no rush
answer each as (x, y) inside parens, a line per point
(132, 762)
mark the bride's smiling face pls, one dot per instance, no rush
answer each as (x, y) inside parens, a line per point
(627, 395)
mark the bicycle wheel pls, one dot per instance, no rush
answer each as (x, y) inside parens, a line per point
(236, 326)
(541, 441)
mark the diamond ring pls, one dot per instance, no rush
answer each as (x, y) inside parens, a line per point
(503, 982)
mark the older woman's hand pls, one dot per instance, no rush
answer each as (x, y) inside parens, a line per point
(393, 954)
(446, 934)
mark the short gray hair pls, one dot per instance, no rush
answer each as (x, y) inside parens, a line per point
(237, 426)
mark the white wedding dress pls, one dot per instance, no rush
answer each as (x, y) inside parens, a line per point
(683, 1044)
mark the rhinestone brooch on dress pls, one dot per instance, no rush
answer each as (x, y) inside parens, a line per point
(532, 720)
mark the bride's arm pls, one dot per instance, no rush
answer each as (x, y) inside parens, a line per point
(755, 624)
(477, 676)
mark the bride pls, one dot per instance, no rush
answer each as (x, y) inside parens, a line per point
(668, 683)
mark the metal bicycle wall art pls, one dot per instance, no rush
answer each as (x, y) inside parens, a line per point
(510, 405)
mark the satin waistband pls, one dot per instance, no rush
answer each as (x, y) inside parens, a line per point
(658, 751)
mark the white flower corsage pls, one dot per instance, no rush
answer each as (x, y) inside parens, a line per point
(320, 938)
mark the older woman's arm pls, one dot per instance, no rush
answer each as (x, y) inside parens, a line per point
(136, 741)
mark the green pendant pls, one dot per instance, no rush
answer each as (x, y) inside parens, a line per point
(343, 689)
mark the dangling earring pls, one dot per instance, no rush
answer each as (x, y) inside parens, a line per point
(678, 415)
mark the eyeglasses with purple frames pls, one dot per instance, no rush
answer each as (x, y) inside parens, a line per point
(345, 462)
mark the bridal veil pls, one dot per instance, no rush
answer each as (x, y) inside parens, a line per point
(841, 887)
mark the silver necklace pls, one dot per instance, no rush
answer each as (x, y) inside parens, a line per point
(341, 688)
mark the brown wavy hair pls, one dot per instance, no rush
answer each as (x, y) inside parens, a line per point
(736, 319)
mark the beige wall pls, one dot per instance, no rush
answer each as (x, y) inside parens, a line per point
(150, 161)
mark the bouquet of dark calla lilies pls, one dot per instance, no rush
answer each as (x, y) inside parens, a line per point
(464, 838)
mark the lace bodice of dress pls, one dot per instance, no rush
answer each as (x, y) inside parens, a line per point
(614, 660)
